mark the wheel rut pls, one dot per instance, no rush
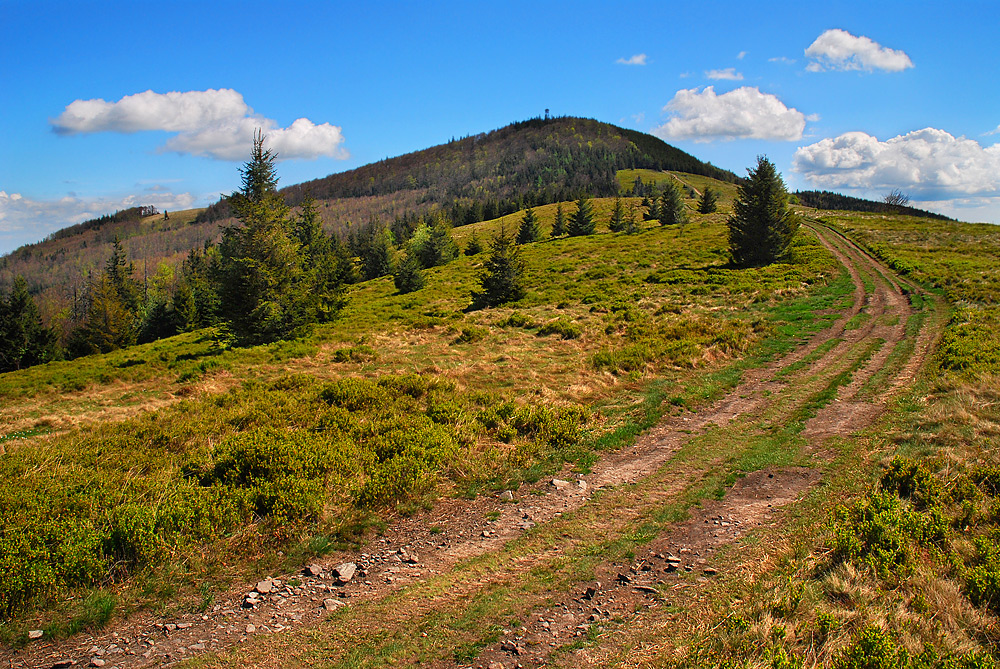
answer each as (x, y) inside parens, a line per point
(436, 560)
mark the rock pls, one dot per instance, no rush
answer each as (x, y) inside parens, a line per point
(589, 592)
(332, 604)
(184, 626)
(624, 578)
(251, 629)
(345, 572)
(36, 634)
(581, 484)
(62, 664)
(196, 646)
(507, 496)
(264, 587)
(560, 484)
(646, 589)
(408, 557)
(711, 571)
(170, 627)
(97, 662)
(313, 570)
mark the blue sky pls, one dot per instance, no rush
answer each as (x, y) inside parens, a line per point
(108, 104)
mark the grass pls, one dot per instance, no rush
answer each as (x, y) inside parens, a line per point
(270, 447)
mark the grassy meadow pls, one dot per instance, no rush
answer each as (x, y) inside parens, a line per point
(154, 476)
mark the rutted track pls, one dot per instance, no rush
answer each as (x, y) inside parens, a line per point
(863, 356)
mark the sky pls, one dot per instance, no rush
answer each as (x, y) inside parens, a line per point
(106, 105)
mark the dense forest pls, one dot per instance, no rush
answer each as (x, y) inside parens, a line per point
(827, 200)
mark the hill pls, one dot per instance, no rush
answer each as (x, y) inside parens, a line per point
(827, 200)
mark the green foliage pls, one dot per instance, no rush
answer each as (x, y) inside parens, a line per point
(408, 277)
(432, 245)
(761, 227)
(473, 246)
(376, 253)
(326, 266)
(709, 201)
(559, 223)
(582, 222)
(672, 211)
(872, 649)
(24, 341)
(502, 277)
(616, 222)
(471, 333)
(529, 230)
(263, 286)
(564, 328)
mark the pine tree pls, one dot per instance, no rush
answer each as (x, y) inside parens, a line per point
(474, 246)
(631, 224)
(377, 253)
(408, 277)
(671, 206)
(432, 245)
(708, 202)
(637, 186)
(24, 341)
(326, 268)
(502, 276)
(652, 206)
(264, 294)
(581, 222)
(616, 222)
(529, 230)
(559, 224)
(761, 227)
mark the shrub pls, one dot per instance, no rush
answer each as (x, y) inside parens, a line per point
(562, 327)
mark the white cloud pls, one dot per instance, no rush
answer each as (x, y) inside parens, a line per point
(741, 55)
(840, 50)
(637, 59)
(784, 60)
(729, 74)
(213, 123)
(744, 113)
(930, 164)
(24, 221)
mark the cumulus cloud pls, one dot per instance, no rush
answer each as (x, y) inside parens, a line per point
(929, 163)
(729, 74)
(840, 50)
(24, 220)
(637, 59)
(744, 113)
(213, 123)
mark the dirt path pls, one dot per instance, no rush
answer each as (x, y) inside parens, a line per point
(544, 524)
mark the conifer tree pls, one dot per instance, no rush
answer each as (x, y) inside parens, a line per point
(631, 223)
(708, 202)
(616, 222)
(376, 253)
(529, 230)
(24, 341)
(581, 222)
(408, 277)
(474, 246)
(263, 289)
(559, 224)
(501, 278)
(652, 206)
(761, 227)
(671, 206)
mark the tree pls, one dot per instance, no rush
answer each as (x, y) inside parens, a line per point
(896, 199)
(631, 224)
(708, 202)
(559, 224)
(529, 230)
(327, 266)
(408, 276)
(264, 291)
(652, 206)
(761, 226)
(108, 323)
(432, 245)
(616, 222)
(671, 205)
(581, 222)
(24, 341)
(474, 246)
(502, 275)
(376, 253)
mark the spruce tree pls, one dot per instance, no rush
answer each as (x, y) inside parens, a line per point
(652, 206)
(408, 277)
(631, 223)
(559, 224)
(529, 230)
(761, 227)
(671, 206)
(581, 222)
(474, 246)
(24, 341)
(263, 289)
(616, 222)
(708, 202)
(326, 268)
(501, 278)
